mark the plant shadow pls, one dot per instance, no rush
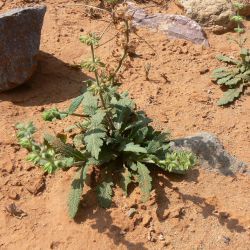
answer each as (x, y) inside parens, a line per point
(54, 81)
(102, 222)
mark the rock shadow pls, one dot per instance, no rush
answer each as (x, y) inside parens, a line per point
(54, 81)
(211, 153)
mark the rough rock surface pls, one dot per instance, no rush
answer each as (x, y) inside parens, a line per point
(210, 13)
(20, 32)
(211, 153)
(175, 26)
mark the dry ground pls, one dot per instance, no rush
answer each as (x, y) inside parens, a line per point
(203, 210)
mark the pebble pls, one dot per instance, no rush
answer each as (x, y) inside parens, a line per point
(131, 212)
(36, 186)
(146, 220)
(161, 237)
(204, 71)
(226, 239)
(8, 167)
(13, 195)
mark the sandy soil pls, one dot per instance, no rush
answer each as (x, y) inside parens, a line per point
(202, 210)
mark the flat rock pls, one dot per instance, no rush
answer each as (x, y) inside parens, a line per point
(20, 32)
(210, 13)
(174, 26)
(211, 153)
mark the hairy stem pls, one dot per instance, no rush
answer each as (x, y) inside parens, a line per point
(100, 91)
(125, 53)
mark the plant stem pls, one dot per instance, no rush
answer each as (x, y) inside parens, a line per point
(100, 90)
(125, 52)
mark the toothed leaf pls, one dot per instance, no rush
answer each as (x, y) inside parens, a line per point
(144, 180)
(131, 147)
(94, 141)
(227, 59)
(230, 95)
(75, 104)
(90, 103)
(125, 180)
(104, 194)
(62, 148)
(76, 191)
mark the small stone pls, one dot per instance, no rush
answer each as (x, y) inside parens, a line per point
(13, 195)
(122, 232)
(40, 109)
(226, 239)
(8, 166)
(150, 236)
(146, 220)
(131, 212)
(15, 211)
(35, 186)
(204, 71)
(161, 237)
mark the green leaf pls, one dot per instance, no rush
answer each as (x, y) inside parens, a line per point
(104, 194)
(90, 39)
(123, 114)
(144, 180)
(62, 148)
(178, 162)
(125, 180)
(140, 134)
(97, 119)
(230, 95)
(90, 103)
(227, 59)
(220, 75)
(224, 80)
(76, 191)
(94, 141)
(131, 147)
(233, 81)
(53, 114)
(75, 104)
(153, 146)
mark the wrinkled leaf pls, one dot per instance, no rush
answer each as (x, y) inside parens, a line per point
(230, 95)
(104, 194)
(75, 104)
(144, 180)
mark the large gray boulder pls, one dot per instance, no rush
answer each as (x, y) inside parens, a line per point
(20, 32)
(211, 153)
(210, 13)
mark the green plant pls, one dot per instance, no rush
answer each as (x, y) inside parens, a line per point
(111, 135)
(236, 77)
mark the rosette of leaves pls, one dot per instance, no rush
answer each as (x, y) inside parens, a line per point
(235, 78)
(111, 135)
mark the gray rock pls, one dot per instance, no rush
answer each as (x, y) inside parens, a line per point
(20, 32)
(210, 13)
(175, 26)
(211, 153)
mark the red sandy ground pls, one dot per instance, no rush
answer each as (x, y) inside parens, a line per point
(202, 210)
